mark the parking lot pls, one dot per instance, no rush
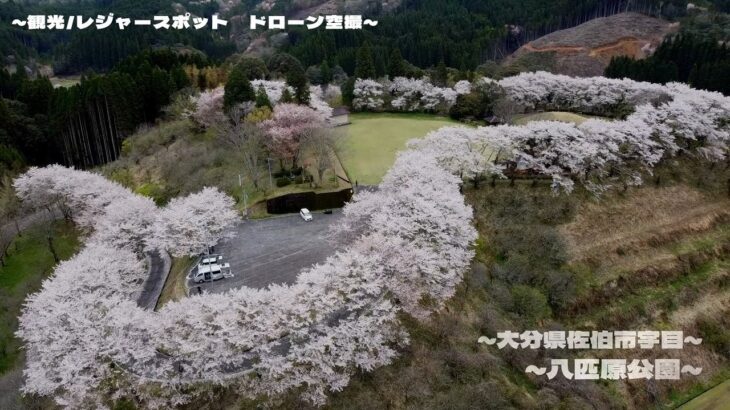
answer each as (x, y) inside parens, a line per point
(272, 250)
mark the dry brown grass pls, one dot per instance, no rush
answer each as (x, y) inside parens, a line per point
(709, 304)
(643, 219)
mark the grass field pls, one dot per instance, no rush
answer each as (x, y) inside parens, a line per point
(716, 398)
(550, 116)
(29, 261)
(372, 141)
(174, 288)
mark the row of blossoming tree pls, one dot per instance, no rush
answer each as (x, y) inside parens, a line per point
(406, 248)
(665, 121)
(88, 341)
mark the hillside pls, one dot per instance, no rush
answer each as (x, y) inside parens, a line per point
(586, 50)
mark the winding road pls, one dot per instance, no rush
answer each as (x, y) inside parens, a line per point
(158, 264)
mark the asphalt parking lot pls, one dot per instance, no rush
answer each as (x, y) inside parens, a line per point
(272, 250)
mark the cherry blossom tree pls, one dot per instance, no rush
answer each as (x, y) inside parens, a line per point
(406, 222)
(406, 94)
(464, 152)
(209, 108)
(593, 95)
(287, 126)
(128, 223)
(414, 95)
(462, 87)
(317, 102)
(86, 196)
(320, 146)
(190, 225)
(368, 95)
(274, 89)
(66, 324)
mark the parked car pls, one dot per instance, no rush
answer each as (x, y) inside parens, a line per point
(208, 272)
(210, 259)
(305, 214)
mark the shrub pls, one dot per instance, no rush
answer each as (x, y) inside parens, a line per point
(154, 191)
(472, 397)
(714, 333)
(529, 303)
(127, 146)
(124, 404)
(299, 180)
(283, 181)
(476, 105)
(541, 245)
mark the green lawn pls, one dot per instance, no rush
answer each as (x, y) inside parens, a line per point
(175, 288)
(550, 116)
(28, 263)
(372, 140)
(715, 398)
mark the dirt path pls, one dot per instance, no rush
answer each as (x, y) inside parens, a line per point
(631, 42)
(561, 49)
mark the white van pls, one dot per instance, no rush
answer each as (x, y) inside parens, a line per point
(209, 272)
(211, 259)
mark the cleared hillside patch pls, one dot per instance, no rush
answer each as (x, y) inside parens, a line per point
(648, 258)
(585, 50)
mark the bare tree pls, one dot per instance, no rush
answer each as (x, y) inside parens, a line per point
(320, 146)
(506, 109)
(248, 140)
(10, 205)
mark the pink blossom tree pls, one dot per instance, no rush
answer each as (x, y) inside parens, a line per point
(286, 128)
(209, 108)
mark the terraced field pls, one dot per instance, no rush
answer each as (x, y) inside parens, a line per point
(658, 258)
(650, 258)
(660, 251)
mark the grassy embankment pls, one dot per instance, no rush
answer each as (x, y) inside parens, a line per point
(174, 159)
(175, 287)
(715, 398)
(561, 116)
(28, 263)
